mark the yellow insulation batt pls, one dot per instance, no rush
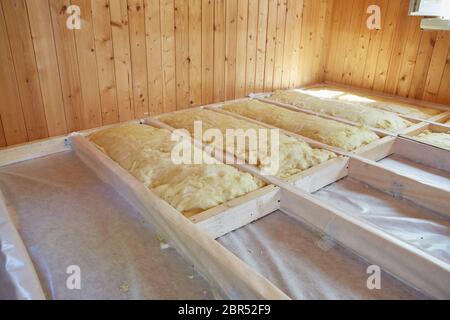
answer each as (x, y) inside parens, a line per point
(145, 152)
(330, 132)
(357, 113)
(376, 102)
(439, 139)
(295, 155)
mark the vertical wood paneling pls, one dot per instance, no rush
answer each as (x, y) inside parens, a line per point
(154, 64)
(426, 46)
(45, 51)
(68, 65)
(182, 52)
(397, 50)
(122, 59)
(303, 32)
(320, 46)
(105, 61)
(271, 44)
(241, 57)
(2, 135)
(288, 43)
(168, 55)
(444, 90)
(252, 32)
(261, 45)
(339, 39)
(279, 45)
(207, 51)
(409, 57)
(87, 64)
(295, 77)
(26, 70)
(195, 52)
(351, 51)
(136, 13)
(219, 50)
(230, 48)
(398, 59)
(437, 66)
(138, 57)
(361, 50)
(11, 108)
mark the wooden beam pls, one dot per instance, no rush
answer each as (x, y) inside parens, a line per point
(229, 274)
(400, 186)
(418, 268)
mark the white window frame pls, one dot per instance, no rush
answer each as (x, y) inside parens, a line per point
(433, 8)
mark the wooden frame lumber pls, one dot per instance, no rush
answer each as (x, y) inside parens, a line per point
(364, 150)
(311, 174)
(194, 237)
(432, 127)
(229, 274)
(41, 148)
(399, 258)
(417, 122)
(400, 186)
(419, 152)
(363, 169)
(392, 254)
(380, 132)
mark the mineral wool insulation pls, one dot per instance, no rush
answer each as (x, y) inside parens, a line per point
(295, 155)
(145, 152)
(330, 132)
(358, 113)
(438, 139)
(378, 103)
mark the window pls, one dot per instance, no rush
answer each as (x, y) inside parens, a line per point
(436, 8)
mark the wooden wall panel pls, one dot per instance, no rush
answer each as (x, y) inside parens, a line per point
(11, 113)
(45, 51)
(91, 115)
(270, 44)
(252, 31)
(241, 48)
(122, 58)
(400, 58)
(182, 49)
(195, 52)
(137, 57)
(279, 45)
(207, 51)
(2, 135)
(16, 17)
(154, 56)
(230, 48)
(219, 50)
(105, 61)
(168, 55)
(261, 45)
(68, 65)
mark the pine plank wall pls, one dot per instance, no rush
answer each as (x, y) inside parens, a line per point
(399, 59)
(142, 57)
